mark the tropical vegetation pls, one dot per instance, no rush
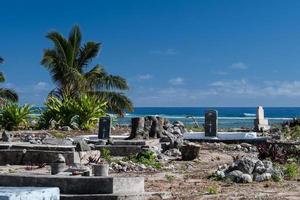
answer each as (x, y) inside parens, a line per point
(6, 94)
(13, 116)
(78, 112)
(69, 62)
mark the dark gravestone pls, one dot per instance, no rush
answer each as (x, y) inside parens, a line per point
(104, 127)
(211, 123)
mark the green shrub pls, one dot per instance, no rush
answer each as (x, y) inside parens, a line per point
(105, 154)
(13, 116)
(291, 170)
(83, 110)
(147, 158)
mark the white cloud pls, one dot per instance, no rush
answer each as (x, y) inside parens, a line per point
(145, 77)
(169, 51)
(239, 65)
(41, 86)
(176, 81)
(265, 89)
(239, 92)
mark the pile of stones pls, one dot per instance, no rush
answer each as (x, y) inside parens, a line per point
(248, 169)
(172, 135)
(129, 166)
(248, 148)
(33, 137)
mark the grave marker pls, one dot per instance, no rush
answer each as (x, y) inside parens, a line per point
(211, 123)
(104, 127)
(260, 123)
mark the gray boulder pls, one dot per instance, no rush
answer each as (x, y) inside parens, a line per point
(235, 176)
(246, 178)
(259, 167)
(246, 165)
(263, 177)
(190, 151)
(268, 166)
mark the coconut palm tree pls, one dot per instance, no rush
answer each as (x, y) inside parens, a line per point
(69, 65)
(6, 94)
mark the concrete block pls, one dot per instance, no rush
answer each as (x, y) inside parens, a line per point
(120, 150)
(18, 157)
(76, 184)
(29, 193)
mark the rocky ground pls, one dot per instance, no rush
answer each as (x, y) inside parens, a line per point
(183, 179)
(189, 179)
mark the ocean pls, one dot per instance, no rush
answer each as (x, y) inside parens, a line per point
(229, 117)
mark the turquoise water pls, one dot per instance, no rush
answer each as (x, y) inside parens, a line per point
(229, 117)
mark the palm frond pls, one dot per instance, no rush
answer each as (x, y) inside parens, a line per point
(117, 102)
(87, 53)
(75, 39)
(60, 44)
(8, 94)
(1, 60)
(99, 79)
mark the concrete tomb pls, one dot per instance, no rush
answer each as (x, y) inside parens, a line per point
(104, 127)
(211, 123)
(260, 123)
(211, 133)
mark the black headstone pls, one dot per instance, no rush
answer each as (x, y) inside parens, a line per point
(104, 127)
(211, 123)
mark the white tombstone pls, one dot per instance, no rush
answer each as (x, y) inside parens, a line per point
(260, 123)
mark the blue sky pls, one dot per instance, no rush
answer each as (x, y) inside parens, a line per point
(173, 53)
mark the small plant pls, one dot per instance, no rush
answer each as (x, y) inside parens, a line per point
(170, 178)
(212, 190)
(291, 170)
(13, 116)
(105, 154)
(147, 158)
(276, 177)
(58, 134)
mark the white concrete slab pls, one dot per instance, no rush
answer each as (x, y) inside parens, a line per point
(221, 136)
(29, 193)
